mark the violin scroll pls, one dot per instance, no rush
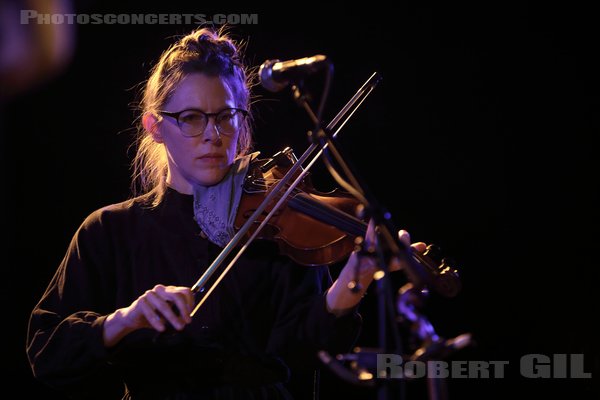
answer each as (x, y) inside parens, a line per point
(445, 279)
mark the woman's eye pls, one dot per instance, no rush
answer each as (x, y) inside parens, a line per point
(191, 117)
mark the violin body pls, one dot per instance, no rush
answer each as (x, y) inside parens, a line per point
(305, 227)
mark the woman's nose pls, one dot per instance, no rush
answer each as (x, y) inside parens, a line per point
(211, 132)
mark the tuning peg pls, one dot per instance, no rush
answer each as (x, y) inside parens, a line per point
(447, 280)
(434, 253)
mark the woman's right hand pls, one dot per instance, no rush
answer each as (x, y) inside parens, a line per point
(154, 309)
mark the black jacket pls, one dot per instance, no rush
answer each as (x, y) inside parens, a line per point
(267, 317)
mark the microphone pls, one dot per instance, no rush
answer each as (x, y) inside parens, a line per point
(276, 75)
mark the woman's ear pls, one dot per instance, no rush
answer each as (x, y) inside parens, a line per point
(150, 124)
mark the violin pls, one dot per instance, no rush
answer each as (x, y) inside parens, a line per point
(311, 227)
(317, 228)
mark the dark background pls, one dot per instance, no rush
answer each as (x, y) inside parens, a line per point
(479, 139)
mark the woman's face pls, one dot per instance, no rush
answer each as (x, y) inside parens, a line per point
(204, 159)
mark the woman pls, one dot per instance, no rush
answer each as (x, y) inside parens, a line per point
(124, 282)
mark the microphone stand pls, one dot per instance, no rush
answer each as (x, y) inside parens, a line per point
(433, 347)
(386, 248)
(384, 226)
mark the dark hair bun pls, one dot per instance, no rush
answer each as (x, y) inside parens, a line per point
(218, 54)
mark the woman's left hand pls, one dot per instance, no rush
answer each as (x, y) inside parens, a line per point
(368, 265)
(339, 298)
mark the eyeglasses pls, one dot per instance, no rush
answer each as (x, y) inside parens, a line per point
(193, 122)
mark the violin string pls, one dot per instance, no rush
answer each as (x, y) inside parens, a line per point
(312, 207)
(342, 220)
(267, 184)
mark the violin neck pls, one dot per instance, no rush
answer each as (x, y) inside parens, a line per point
(328, 214)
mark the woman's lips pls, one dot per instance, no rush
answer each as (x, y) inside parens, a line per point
(211, 159)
